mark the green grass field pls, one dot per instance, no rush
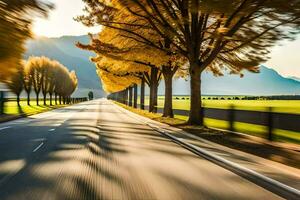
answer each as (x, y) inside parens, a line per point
(11, 108)
(282, 106)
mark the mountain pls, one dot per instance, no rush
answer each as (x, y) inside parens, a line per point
(64, 50)
(294, 78)
(267, 82)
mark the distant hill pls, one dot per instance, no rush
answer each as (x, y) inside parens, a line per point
(294, 78)
(267, 82)
(64, 50)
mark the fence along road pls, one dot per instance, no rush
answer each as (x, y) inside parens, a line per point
(272, 120)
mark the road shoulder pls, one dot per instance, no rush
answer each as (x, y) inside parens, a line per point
(285, 174)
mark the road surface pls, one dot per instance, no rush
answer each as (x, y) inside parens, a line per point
(93, 150)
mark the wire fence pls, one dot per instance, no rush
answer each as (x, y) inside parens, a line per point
(269, 119)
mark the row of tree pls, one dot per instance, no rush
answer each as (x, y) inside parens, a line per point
(144, 41)
(43, 76)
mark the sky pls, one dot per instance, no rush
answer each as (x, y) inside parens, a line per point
(60, 20)
(285, 59)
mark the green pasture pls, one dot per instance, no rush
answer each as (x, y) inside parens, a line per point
(12, 108)
(282, 106)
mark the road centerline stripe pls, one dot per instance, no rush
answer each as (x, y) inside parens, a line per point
(7, 127)
(38, 147)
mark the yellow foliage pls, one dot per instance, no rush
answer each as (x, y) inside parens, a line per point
(8, 67)
(112, 83)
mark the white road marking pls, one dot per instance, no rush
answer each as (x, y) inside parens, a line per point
(51, 130)
(7, 127)
(38, 147)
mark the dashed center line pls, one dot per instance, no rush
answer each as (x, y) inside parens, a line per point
(7, 127)
(51, 130)
(38, 147)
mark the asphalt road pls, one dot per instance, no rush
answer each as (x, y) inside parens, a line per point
(94, 150)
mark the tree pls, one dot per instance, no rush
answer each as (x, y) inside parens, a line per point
(37, 73)
(174, 67)
(62, 74)
(15, 84)
(15, 24)
(49, 77)
(91, 95)
(73, 83)
(52, 78)
(212, 35)
(121, 58)
(65, 83)
(47, 74)
(115, 49)
(28, 81)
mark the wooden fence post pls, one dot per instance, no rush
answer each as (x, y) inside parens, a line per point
(231, 118)
(270, 124)
(202, 112)
(1, 102)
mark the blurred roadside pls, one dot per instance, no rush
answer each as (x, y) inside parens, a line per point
(278, 161)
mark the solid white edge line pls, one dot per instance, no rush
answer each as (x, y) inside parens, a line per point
(234, 165)
(38, 147)
(7, 127)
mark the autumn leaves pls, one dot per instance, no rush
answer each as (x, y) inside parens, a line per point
(38, 74)
(139, 37)
(43, 76)
(15, 28)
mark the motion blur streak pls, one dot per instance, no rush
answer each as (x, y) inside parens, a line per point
(101, 153)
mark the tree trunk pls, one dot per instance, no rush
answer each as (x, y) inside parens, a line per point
(151, 99)
(130, 96)
(126, 96)
(50, 99)
(37, 98)
(18, 100)
(122, 94)
(135, 96)
(168, 103)
(55, 98)
(59, 99)
(44, 98)
(117, 97)
(195, 116)
(155, 98)
(142, 98)
(153, 90)
(28, 98)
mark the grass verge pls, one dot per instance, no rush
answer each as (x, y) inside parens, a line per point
(243, 143)
(13, 111)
